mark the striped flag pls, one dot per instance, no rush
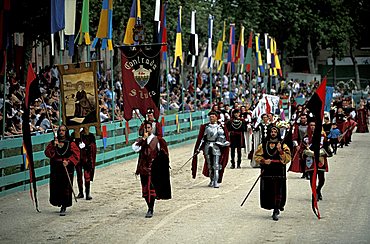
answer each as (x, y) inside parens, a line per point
(178, 47)
(31, 93)
(85, 26)
(208, 53)
(193, 44)
(70, 22)
(260, 67)
(105, 26)
(135, 15)
(57, 21)
(240, 49)
(231, 51)
(157, 22)
(248, 57)
(163, 31)
(220, 49)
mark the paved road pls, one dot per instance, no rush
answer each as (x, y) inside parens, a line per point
(198, 214)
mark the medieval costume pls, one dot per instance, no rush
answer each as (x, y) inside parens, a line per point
(273, 157)
(246, 115)
(157, 127)
(298, 132)
(213, 139)
(87, 146)
(64, 155)
(153, 167)
(236, 127)
(362, 119)
(259, 136)
(308, 156)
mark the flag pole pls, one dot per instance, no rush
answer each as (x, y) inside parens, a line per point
(167, 87)
(60, 94)
(112, 83)
(195, 84)
(4, 97)
(210, 85)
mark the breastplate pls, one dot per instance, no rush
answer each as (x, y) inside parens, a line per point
(211, 132)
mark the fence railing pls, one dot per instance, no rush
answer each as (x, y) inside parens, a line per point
(179, 128)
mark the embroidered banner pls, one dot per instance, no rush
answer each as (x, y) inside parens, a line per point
(140, 78)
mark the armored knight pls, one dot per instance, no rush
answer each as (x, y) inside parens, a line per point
(213, 139)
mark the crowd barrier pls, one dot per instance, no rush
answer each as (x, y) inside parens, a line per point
(178, 128)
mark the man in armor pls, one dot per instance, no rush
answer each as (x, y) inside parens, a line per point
(213, 139)
(236, 127)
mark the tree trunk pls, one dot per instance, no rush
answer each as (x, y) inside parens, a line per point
(334, 71)
(311, 60)
(355, 65)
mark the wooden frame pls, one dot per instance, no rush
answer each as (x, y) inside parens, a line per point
(79, 93)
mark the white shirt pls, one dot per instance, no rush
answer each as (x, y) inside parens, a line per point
(137, 148)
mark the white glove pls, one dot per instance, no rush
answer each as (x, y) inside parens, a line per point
(295, 143)
(81, 145)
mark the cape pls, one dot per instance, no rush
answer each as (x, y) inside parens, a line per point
(161, 172)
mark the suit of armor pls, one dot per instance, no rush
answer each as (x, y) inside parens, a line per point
(213, 139)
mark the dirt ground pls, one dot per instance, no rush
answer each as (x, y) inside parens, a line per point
(197, 213)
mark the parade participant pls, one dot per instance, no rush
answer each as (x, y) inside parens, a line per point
(153, 167)
(308, 156)
(259, 136)
(236, 127)
(213, 139)
(87, 146)
(224, 115)
(333, 137)
(350, 125)
(157, 127)
(246, 115)
(64, 155)
(362, 118)
(273, 155)
(299, 131)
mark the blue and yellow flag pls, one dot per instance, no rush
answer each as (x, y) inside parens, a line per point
(105, 26)
(178, 47)
(135, 14)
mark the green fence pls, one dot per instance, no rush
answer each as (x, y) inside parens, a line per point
(14, 177)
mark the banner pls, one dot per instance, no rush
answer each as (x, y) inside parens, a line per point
(268, 104)
(140, 79)
(328, 98)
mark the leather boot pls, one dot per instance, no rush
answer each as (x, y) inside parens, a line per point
(62, 211)
(275, 214)
(80, 189)
(87, 188)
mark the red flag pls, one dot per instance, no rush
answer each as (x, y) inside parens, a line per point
(268, 107)
(31, 76)
(316, 106)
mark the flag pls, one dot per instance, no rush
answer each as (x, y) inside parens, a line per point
(248, 57)
(240, 49)
(193, 44)
(316, 106)
(231, 51)
(84, 28)
(275, 63)
(208, 53)
(57, 21)
(267, 47)
(135, 15)
(157, 22)
(178, 47)
(70, 19)
(140, 78)
(220, 48)
(104, 135)
(104, 31)
(163, 32)
(31, 93)
(260, 68)
(329, 98)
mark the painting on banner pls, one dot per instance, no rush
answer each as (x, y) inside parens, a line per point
(140, 79)
(79, 96)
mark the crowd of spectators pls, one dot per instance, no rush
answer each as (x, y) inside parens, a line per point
(196, 93)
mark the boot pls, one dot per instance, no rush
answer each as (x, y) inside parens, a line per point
(232, 164)
(215, 180)
(62, 211)
(87, 191)
(80, 189)
(319, 195)
(275, 214)
(150, 212)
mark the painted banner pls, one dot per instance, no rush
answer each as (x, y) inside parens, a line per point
(328, 98)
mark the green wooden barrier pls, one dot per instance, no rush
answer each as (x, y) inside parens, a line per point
(15, 178)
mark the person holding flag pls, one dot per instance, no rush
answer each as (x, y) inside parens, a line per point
(64, 156)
